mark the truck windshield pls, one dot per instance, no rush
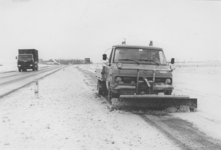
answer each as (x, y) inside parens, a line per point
(25, 57)
(140, 55)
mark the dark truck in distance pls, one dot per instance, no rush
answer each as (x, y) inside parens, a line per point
(27, 59)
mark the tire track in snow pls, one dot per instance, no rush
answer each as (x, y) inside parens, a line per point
(182, 133)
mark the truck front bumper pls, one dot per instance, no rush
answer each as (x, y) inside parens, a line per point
(131, 90)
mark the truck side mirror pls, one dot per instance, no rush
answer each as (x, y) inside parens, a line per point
(172, 60)
(104, 56)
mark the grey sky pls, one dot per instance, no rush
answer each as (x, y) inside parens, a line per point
(86, 28)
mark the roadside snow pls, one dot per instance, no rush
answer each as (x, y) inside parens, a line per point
(68, 115)
(202, 83)
(91, 67)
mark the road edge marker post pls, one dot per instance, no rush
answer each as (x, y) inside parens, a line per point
(36, 91)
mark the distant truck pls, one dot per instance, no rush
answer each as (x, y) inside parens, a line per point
(27, 59)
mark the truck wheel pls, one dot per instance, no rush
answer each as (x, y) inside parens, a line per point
(104, 89)
(19, 69)
(109, 96)
(168, 93)
(99, 88)
(105, 92)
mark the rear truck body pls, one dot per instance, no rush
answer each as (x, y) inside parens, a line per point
(27, 59)
(139, 74)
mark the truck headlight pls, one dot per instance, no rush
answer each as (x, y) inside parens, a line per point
(119, 65)
(31, 65)
(118, 79)
(168, 81)
(19, 65)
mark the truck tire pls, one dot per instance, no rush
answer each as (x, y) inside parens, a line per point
(109, 96)
(19, 69)
(105, 92)
(99, 88)
(104, 88)
(168, 93)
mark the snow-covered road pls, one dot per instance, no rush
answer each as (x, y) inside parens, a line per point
(67, 114)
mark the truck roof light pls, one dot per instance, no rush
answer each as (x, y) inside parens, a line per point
(151, 43)
(124, 41)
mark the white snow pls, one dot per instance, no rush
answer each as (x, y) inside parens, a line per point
(67, 115)
(202, 82)
(8, 65)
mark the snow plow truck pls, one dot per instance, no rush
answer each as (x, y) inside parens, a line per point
(140, 75)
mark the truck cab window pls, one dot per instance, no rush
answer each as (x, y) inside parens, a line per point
(144, 56)
(25, 57)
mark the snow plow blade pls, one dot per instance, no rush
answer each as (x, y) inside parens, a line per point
(160, 101)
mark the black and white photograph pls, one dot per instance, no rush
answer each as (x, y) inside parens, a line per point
(110, 75)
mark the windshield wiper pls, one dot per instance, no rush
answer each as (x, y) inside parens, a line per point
(129, 60)
(149, 61)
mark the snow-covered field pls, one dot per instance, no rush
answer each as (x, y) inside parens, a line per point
(7, 67)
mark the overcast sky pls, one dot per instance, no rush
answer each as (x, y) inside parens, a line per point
(86, 28)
